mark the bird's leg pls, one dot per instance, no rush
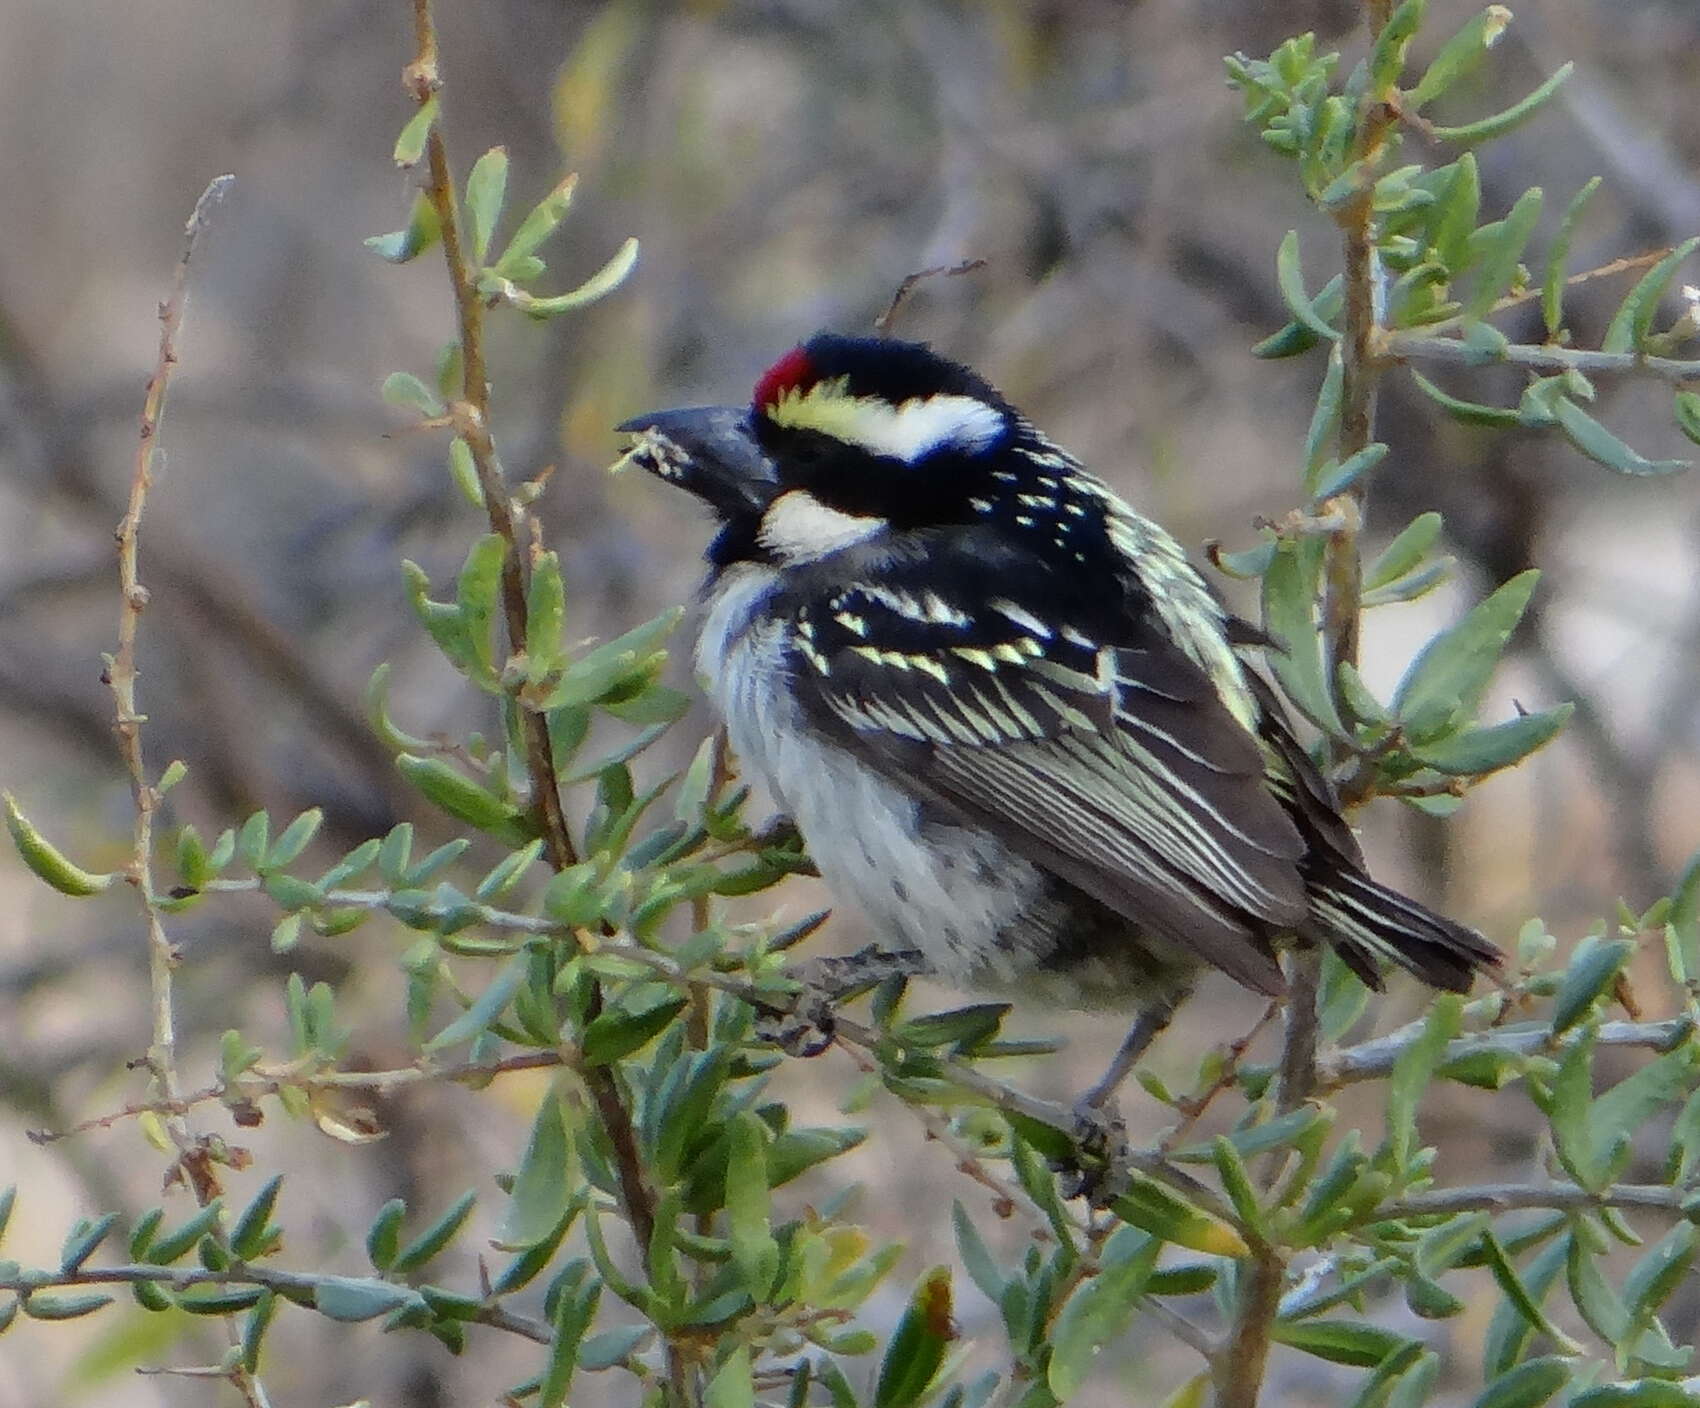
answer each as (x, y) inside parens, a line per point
(1099, 1134)
(806, 1030)
(1147, 1026)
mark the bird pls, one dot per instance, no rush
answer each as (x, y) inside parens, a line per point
(1014, 725)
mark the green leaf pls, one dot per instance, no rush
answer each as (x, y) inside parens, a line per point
(354, 1298)
(1404, 552)
(1654, 1279)
(611, 1347)
(619, 1032)
(917, 1345)
(1637, 1393)
(165, 1250)
(1297, 337)
(599, 285)
(545, 614)
(1289, 595)
(1473, 133)
(602, 671)
(1100, 1308)
(434, 1238)
(962, 1027)
(1343, 476)
(407, 392)
(462, 798)
(1163, 1213)
(1341, 1341)
(1413, 1071)
(410, 145)
(383, 1237)
(1599, 1304)
(1634, 317)
(1687, 412)
(754, 1250)
(1445, 683)
(538, 225)
(1470, 412)
(733, 1384)
(1454, 215)
(1496, 249)
(506, 873)
(421, 232)
(977, 1259)
(43, 1305)
(1289, 279)
(1592, 969)
(1528, 1385)
(1552, 286)
(1387, 56)
(82, 1240)
(1603, 447)
(486, 188)
(1458, 56)
(1475, 752)
(252, 1235)
(476, 594)
(46, 861)
(485, 1009)
(542, 1191)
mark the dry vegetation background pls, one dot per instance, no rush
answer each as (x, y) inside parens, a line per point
(784, 164)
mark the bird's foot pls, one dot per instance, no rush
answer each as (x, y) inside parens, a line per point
(1096, 1170)
(807, 1028)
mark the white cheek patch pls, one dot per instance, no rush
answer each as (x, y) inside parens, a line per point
(908, 432)
(798, 527)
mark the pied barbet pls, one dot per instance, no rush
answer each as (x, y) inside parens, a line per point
(1009, 718)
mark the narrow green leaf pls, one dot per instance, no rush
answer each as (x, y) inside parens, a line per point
(1552, 286)
(383, 1237)
(1099, 1309)
(1289, 596)
(82, 1240)
(1603, 447)
(1458, 56)
(1687, 412)
(617, 1033)
(1476, 752)
(1404, 552)
(506, 873)
(538, 225)
(1446, 681)
(1341, 1341)
(1454, 216)
(485, 1009)
(1497, 248)
(46, 861)
(45, 1305)
(1592, 969)
(1297, 337)
(1655, 1277)
(754, 1250)
(420, 233)
(434, 1238)
(1473, 133)
(410, 145)
(1155, 1208)
(611, 665)
(917, 1346)
(458, 795)
(1413, 1072)
(1599, 1304)
(977, 1258)
(407, 392)
(354, 1298)
(1528, 1385)
(733, 1384)
(542, 1191)
(1343, 476)
(252, 1235)
(1637, 1393)
(1470, 412)
(486, 189)
(1634, 317)
(599, 285)
(1289, 279)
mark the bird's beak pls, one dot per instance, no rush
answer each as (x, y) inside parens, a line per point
(708, 450)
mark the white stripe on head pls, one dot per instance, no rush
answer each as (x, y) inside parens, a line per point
(798, 527)
(907, 432)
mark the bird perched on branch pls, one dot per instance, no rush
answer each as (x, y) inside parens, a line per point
(1010, 720)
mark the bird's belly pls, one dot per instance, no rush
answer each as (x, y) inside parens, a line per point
(980, 914)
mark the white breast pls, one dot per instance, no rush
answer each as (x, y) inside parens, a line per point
(951, 892)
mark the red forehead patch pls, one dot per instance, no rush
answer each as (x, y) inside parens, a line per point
(792, 372)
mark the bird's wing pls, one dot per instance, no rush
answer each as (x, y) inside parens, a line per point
(1114, 765)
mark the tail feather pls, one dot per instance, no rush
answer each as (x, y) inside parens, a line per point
(1371, 925)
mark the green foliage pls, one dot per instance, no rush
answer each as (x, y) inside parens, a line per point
(599, 951)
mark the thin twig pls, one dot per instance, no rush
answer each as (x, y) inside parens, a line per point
(1423, 347)
(194, 1162)
(882, 324)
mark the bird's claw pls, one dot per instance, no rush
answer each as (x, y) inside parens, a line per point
(1097, 1169)
(805, 1031)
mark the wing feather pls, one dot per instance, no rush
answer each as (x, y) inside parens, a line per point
(1111, 762)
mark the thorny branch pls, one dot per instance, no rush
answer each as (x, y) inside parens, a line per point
(194, 1162)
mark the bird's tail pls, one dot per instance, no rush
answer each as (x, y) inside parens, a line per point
(1371, 925)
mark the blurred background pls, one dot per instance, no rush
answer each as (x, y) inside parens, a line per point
(785, 165)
